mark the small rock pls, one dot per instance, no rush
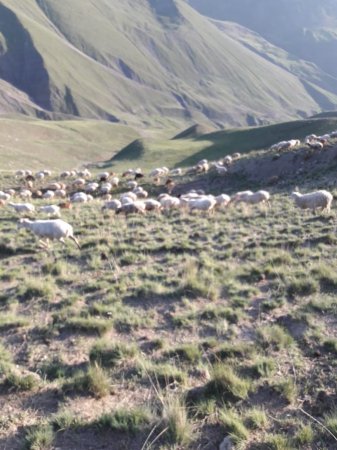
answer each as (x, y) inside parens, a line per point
(226, 444)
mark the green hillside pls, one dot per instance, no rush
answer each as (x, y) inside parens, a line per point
(184, 152)
(31, 143)
(150, 64)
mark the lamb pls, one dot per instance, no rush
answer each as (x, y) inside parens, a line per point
(22, 207)
(54, 229)
(318, 199)
(51, 210)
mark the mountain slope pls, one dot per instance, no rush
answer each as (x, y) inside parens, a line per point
(150, 63)
(305, 28)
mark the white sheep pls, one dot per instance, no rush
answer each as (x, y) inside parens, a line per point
(132, 184)
(167, 202)
(22, 208)
(152, 205)
(4, 196)
(114, 181)
(176, 172)
(54, 229)
(318, 199)
(40, 175)
(79, 197)
(48, 195)
(51, 210)
(240, 196)
(25, 194)
(222, 200)
(205, 203)
(112, 204)
(91, 187)
(256, 197)
(60, 193)
(130, 208)
(105, 188)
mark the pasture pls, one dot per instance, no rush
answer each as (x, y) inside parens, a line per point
(171, 331)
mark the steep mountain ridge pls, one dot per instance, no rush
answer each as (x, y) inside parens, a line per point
(153, 62)
(305, 28)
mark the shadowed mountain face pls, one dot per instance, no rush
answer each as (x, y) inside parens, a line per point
(20, 62)
(305, 28)
(149, 63)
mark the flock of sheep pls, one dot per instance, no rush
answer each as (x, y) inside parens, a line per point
(81, 186)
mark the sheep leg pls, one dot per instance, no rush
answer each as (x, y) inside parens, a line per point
(42, 244)
(76, 241)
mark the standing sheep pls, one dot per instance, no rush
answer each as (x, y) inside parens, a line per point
(318, 199)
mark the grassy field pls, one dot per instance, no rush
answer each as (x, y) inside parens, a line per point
(36, 144)
(171, 331)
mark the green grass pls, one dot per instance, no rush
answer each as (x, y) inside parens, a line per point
(125, 420)
(226, 384)
(110, 354)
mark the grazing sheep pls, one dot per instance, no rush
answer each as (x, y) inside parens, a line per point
(136, 207)
(132, 184)
(60, 193)
(39, 175)
(47, 173)
(48, 194)
(54, 229)
(256, 197)
(25, 193)
(176, 172)
(222, 200)
(79, 182)
(54, 186)
(84, 173)
(316, 145)
(240, 196)
(228, 160)
(112, 204)
(236, 155)
(4, 196)
(51, 210)
(105, 188)
(152, 205)
(130, 196)
(104, 176)
(206, 203)
(79, 197)
(114, 181)
(22, 208)
(65, 174)
(318, 199)
(167, 202)
(91, 187)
